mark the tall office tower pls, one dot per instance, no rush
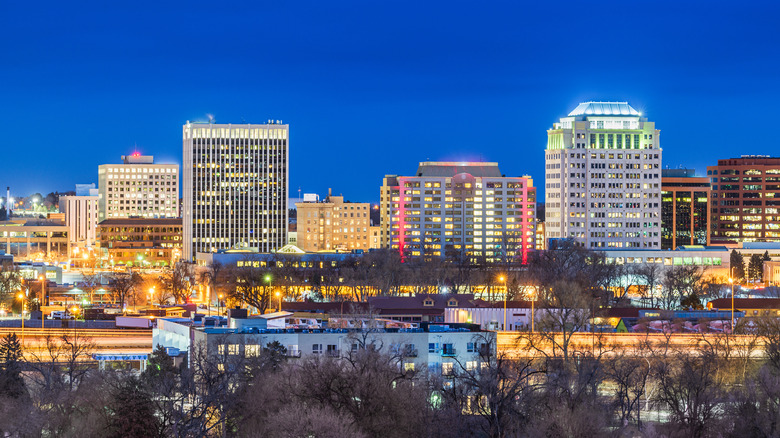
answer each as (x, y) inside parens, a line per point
(685, 213)
(332, 224)
(746, 199)
(459, 211)
(235, 187)
(138, 188)
(81, 216)
(603, 178)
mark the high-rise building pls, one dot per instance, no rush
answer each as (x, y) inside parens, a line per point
(459, 210)
(138, 188)
(603, 178)
(333, 224)
(235, 187)
(81, 216)
(685, 213)
(745, 199)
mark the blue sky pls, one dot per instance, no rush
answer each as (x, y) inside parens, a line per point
(373, 87)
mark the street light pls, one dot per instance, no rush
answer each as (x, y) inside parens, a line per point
(219, 305)
(532, 295)
(268, 279)
(731, 280)
(151, 296)
(278, 295)
(24, 306)
(503, 280)
(43, 297)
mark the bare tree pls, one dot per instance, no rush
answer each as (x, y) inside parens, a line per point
(179, 282)
(650, 275)
(10, 281)
(123, 285)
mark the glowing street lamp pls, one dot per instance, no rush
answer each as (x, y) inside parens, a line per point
(731, 280)
(278, 295)
(503, 280)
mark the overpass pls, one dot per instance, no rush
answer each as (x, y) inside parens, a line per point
(525, 344)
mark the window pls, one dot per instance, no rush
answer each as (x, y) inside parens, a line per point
(409, 366)
(431, 347)
(251, 350)
(446, 369)
(428, 302)
(316, 348)
(470, 347)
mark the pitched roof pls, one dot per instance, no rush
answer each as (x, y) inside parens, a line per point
(604, 109)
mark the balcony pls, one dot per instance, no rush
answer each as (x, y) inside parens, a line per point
(448, 352)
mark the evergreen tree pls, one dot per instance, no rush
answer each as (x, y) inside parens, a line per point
(737, 262)
(756, 268)
(766, 257)
(131, 412)
(11, 381)
(159, 366)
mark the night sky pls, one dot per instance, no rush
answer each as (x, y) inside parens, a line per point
(373, 87)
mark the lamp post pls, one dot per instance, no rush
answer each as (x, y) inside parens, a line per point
(219, 305)
(278, 295)
(731, 280)
(268, 280)
(43, 296)
(533, 295)
(24, 306)
(503, 280)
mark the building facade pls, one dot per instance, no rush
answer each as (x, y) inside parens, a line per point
(81, 218)
(685, 213)
(138, 187)
(745, 199)
(35, 239)
(140, 242)
(333, 225)
(603, 178)
(458, 210)
(235, 187)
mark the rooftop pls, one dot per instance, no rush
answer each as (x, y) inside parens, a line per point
(477, 169)
(604, 109)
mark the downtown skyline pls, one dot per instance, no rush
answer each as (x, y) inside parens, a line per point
(372, 90)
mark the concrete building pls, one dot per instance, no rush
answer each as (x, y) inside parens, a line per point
(458, 210)
(438, 348)
(745, 199)
(603, 178)
(140, 242)
(235, 187)
(685, 213)
(34, 239)
(333, 225)
(374, 237)
(81, 216)
(138, 187)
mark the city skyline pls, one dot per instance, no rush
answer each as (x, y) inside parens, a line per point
(441, 84)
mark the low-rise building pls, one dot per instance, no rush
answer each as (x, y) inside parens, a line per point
(751, 306)
(140, 242)
(333, 224)
(438, 348)
(34, 239)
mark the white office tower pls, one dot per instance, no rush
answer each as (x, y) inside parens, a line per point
(603, 178)
(81, 216)
(235, 187)
(138, 188)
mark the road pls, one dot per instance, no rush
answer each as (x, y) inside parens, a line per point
(107, 341)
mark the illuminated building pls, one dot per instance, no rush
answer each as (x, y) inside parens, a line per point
(81, 216)
(745, 199)
(140, 242)
(333, 224)
(685, 218)
(458, 210)
(603, 178)
(138, 187)
(235, 187)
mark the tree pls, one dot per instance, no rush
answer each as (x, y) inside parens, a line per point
(252, 288)
(179, 282)
(683, 282)
(11, 381)
(628, 375)
(123, 286)
(212, 277)
(650, 275)
(563, 312)
(10, 281)
(756, 268)
(131, 411)
(737, 263)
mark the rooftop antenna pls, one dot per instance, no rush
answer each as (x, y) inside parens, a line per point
(211, 118)
(299, 193)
